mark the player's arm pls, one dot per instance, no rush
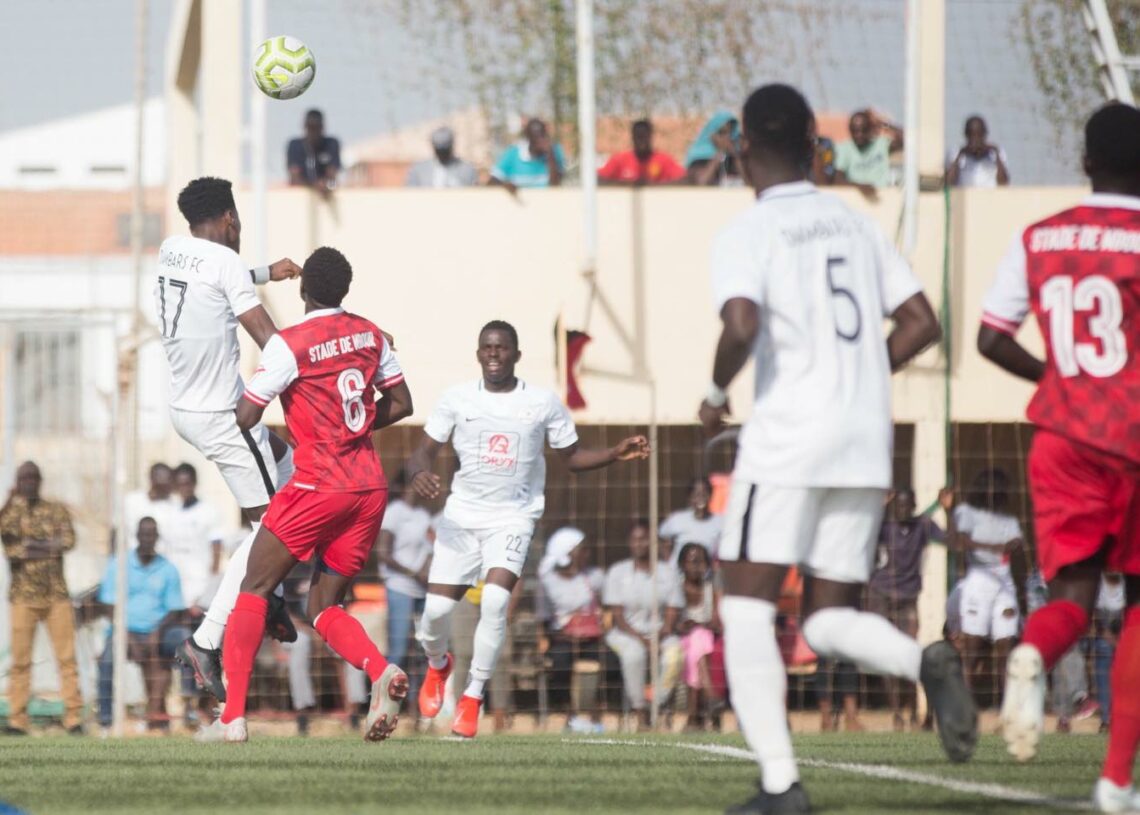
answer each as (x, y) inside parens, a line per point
(1005, 307)
(426, 483)
(740, 323)
(581, 459)
(1008, 354)
(396, 405)
(276, 371)
(915, 329)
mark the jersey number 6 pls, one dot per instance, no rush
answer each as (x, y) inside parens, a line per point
(350, 383)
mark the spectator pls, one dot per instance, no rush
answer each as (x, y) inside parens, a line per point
(696, 524)
(535, 161)
(314, 159)
(35, 534)
(628, 594)
(403, 549)
(989, 534)
(156, 501)
(978, 163)
(569, 607)
(823, 162)
(864, 160)
(641, 165)
(699, 629)
(1107, 621)
(837, 686)
(193, 542)
(446, 169)
(156, 623)
(713, 159)
(896, 581)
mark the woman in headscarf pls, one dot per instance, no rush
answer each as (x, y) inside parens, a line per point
(713, 159)
(569, 605)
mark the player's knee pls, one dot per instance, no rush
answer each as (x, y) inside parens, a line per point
(437, 607)
(817, 631)
(493, 605)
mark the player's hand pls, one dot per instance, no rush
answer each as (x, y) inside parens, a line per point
(427, 485)
(284, 269)
(712, 418)
(946, 498)
(634, 447)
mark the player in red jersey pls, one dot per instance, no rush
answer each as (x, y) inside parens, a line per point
(1079, 272)
(326, 369)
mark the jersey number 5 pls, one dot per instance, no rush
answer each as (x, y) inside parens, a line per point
(1060, 298)
(846, 329)
(350, 383)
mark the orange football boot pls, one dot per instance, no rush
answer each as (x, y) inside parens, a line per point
(466, 720)
(431, 692)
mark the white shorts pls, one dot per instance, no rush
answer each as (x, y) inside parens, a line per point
(462, 557)
(828, 532)
(989, 605)
(244, 458)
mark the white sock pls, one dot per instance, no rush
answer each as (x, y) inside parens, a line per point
(758, 679)
(285, 467)
(489, 636)
(435, 625)
(868, 640)
(209, 633)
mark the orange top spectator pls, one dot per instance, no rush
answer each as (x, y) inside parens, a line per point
(642, 164)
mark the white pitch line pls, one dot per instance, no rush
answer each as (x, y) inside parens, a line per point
(997, 792)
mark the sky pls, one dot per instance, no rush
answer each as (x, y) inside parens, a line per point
(372, 77)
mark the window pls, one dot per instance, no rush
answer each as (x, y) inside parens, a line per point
(46, 381)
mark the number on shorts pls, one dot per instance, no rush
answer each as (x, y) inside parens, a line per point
(350, 383)
(515, 544)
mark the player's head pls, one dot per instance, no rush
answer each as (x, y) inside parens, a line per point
(185, 480)
(638, 539)
(147, 535)
(161, 480)
(700, 493)
(902, 505)
(28, 480)
(325, 278)
(1112, 149)
(641, 133)
(859, 126)
(498, 352)
(990, 490)
(693, 559)
(977, 135)
(779, 134)
(207, 204)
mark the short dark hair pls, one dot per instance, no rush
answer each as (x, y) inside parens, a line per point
(314, 113)
(505, 327)
(158, 465)
(990, 490)
(778, 120)
(699, 479)
(205, 199)
(326, 276)
(974, 118)
(693, 545)
(642, 123)
(185, 468)
(1112, 141)
(637, 523)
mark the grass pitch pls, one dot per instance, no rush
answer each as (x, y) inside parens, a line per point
(527, 774)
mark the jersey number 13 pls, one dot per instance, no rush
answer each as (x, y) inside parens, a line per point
(1096, 293)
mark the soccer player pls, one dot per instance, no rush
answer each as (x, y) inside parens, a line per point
(327, 370)
(201, 293)
(1079, 272)
(497, 425)
(803, 284)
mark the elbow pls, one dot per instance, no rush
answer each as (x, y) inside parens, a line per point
(988, 342)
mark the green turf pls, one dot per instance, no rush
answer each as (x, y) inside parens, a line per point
(505, 775)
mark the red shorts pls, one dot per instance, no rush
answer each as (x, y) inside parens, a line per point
(340, 527)
(1084, 502)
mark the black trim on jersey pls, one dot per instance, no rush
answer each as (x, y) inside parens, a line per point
(747, 522)
(245, 434)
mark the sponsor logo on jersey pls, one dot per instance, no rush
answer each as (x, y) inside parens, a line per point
(498, 453)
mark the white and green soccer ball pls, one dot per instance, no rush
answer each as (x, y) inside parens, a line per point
(283, 67)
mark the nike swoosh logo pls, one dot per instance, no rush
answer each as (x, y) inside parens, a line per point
(471, 418)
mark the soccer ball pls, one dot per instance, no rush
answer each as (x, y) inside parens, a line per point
(283, 67)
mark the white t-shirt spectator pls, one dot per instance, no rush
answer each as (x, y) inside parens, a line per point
(560, 598)
(410, 546)
(683, 526)
(188, 543)
(138, 505)
(978, 172)
(632, 590)
(990, 528)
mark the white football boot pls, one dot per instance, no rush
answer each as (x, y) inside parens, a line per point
(388, 693)
(1107, 797)
(234, 732)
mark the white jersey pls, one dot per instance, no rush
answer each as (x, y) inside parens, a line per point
(200, 290)
(499, 439)
(824, 278)
(992, 529)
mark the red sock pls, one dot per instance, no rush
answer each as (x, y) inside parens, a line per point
(346, 636)
(1055, 628)
(1124, 726)
(244, 631)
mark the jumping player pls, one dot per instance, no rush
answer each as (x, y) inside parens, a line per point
(1079, 273)
(327, 370)
(802, 283)
(497, 425)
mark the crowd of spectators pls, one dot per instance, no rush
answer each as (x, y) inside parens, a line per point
(867, 160)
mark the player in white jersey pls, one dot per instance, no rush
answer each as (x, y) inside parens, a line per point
(499, 426)
(803, 284)
(202, 292)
